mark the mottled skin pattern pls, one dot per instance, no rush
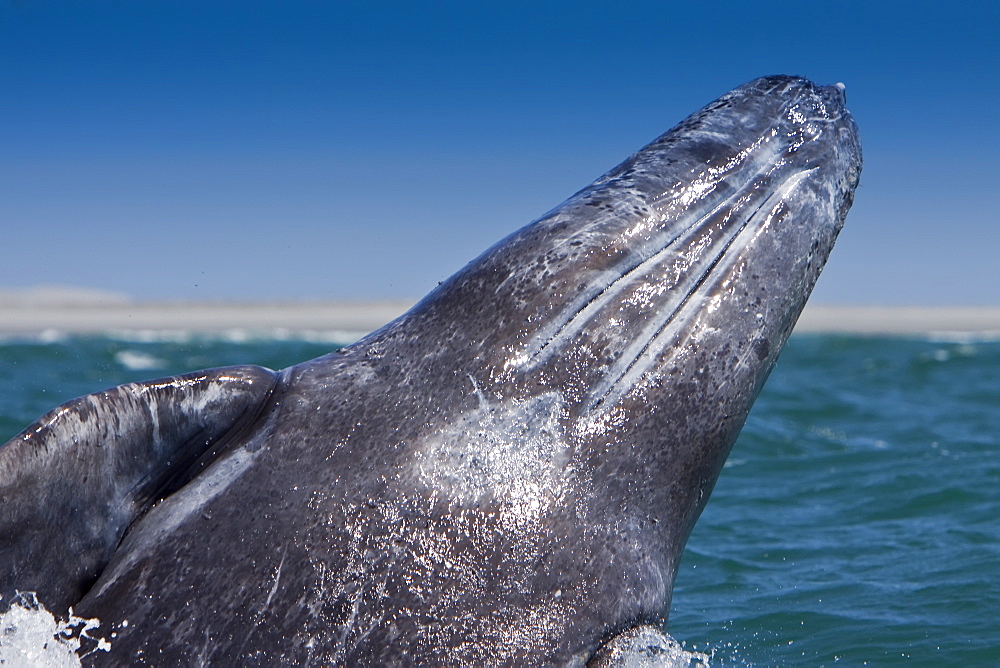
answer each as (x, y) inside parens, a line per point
(508, 473)
(73, 482)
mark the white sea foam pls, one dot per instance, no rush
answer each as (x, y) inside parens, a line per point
(985, 336)
(650, 647)
(52, 336)
(135, 360)
(31, 636)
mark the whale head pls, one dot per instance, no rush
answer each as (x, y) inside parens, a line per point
(612, 349)
(507, 474)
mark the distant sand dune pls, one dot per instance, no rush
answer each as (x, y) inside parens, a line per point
(37, 317)
(26, 317)
(58, 311)
(899, 319)
(59, 295)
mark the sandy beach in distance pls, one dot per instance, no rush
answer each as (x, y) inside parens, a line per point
(351, 318)
(900, 320)
(81, 312)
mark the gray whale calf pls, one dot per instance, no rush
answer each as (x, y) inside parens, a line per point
(506, 474)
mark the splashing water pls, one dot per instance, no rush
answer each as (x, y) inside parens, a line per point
(31, 637)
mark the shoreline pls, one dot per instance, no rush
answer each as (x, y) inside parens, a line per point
(32, 319)
(202, 317)
(899, 320)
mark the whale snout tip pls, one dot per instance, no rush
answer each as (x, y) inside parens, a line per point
(842, 90)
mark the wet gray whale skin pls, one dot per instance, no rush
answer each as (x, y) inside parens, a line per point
(506, 474)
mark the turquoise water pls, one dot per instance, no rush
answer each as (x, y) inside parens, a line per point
(857, 517)
(856, 520)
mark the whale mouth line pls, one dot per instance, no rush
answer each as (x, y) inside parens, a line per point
(635, 362)
(701, 248)
(724, 220)
(576, 316)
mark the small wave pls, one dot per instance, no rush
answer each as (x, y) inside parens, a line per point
(967, 338)
(48, 336)
(138, 361)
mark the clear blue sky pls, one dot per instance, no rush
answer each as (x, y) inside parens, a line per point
(311, 150)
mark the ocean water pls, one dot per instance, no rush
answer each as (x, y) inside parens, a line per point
(857, 519)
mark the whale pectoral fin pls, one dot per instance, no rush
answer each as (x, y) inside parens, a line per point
(73, 482)
(645, 646)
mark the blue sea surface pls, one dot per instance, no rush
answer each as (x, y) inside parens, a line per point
(858, 517)
(856, 521)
